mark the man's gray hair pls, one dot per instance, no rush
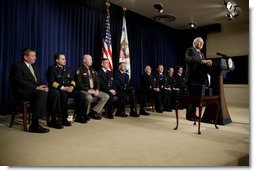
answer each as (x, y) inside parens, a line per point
(196, 39)
(86, 55)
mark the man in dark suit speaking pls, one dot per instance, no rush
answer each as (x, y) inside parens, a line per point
(27, 85)
(196, 70)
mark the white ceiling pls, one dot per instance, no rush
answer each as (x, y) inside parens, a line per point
(201, 12)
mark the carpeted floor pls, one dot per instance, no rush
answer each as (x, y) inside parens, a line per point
(145, 141)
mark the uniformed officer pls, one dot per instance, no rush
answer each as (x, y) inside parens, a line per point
(172, 83)
(180, 81)
(163, 99)
(147, 83)
(89, 84)
(61, 82)
(123, 89)
(107, 85)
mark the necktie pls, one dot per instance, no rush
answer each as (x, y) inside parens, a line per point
(32, 71)
(90, 79)
(200, 54)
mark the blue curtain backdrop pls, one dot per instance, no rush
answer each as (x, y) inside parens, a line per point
(76, 27)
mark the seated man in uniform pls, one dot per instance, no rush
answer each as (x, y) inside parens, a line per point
(107, 85)
(123, 89)
(61, 82)
(88, 83)
(27, 85)
(163, 99)
(172, 83)
(180, 81)
(147, 83)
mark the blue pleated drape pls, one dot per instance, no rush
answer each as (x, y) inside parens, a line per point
(76, 27)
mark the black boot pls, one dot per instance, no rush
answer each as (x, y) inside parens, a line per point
(143, 112)
(134, 114)
(94, 115)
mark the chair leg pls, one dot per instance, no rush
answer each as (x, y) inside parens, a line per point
(12, 119)
(47, 118)
(25, 118)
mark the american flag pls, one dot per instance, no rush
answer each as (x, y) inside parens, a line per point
(107, 46)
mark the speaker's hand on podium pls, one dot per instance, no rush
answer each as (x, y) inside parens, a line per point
(207, 62)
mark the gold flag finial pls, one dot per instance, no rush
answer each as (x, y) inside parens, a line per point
(108, 5)
(124, 9)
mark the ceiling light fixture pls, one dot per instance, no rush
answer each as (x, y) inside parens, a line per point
(193, 25)
(233, 10)
(158, 7)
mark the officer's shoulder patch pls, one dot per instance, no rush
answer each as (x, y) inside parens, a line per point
(78, 71)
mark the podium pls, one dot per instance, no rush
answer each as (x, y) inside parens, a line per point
(220, 66)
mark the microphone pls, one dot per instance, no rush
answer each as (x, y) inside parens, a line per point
(221, 54)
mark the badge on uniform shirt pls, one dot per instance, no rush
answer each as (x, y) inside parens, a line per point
(68, 76)
(78, 71)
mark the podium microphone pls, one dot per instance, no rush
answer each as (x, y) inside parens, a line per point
(221, 54)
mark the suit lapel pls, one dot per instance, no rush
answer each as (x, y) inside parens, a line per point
(28, 72)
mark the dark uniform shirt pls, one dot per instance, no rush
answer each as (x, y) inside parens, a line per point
(180, 81)
(106, 80)
(59, 76)
(122, 81)
(161, 81)
(83, 79)
(171, 81)
(147, 82)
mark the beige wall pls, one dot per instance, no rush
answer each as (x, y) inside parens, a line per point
(237, 94)
(233, 40)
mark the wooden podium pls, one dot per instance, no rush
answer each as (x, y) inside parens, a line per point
(220, 66)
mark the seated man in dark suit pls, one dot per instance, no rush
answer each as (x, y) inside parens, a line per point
(61, 82)
(147, 83)
(27, 85)
(180, 81)
(172, 83)
(163, 99)
(123, 89)
(107, 85)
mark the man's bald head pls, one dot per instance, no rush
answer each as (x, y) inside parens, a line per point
(87, 60)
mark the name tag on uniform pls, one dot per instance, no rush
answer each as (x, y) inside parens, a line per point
(85, 74)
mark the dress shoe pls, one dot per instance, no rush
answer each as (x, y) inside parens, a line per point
(66, 123)
(81, 120)
(110, 117)
(94, 115)
(121, 114)
(159, 110)
(192, 118)
(142, 112)
(37, 129)
(167, 110)
(134, 114)
(55, 125)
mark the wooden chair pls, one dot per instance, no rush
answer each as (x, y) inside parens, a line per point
(19, 106)
(22, 107)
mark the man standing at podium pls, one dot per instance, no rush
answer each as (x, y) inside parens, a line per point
(196, 70)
